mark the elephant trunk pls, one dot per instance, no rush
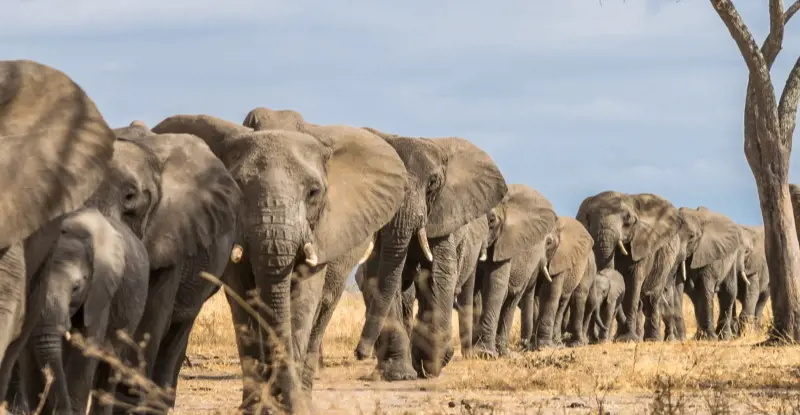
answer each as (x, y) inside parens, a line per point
(48, 351)
(605, 247)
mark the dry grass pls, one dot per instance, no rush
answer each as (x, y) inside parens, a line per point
(736, 371)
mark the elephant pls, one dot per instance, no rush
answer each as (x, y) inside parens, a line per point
(604, 304)
(311, 194)
(520, 238)
(181, 201)
(568, 278)
(95, 283)
(636, 234)
(753, 286)
(451, 182)
(472, 242)
(56, 149)
(712, 243)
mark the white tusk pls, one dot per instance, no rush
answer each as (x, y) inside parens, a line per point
(367, 253)
(683, 269)
(236, 253)
(547, 274)
(311, 254)
(423, 243)
(67, 335)
(622, 247)
(483, 256)
(744, 277)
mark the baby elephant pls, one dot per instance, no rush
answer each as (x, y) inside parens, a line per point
(605, 299)
(96, 282)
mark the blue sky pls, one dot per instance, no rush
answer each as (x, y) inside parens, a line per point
(568, 96)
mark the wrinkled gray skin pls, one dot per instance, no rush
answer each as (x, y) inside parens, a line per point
(636, 234)
(95, 283)
(572, 271)
(54, 149)
(472, 241)
(712, 243)
(311, 195)
(604, 303)
(179, 199)
(521, 235)
(451, 182)
(753, 291)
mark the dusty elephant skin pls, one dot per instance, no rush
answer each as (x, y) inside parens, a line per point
(472, 241)
(56, 149)
(311, 195)
(180, 200)
(636, 234)
(95, 283)
(753, 287)
(603, 304)
(451, 182)
(521, 229)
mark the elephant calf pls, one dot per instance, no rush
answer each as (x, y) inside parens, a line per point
(605, 301)
(95, 283)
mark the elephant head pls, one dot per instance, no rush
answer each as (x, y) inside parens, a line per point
(708, 236)
(84, 272)
(171, 190)
(311, 194)
(755, 257)
(644, 222)
(451, 182)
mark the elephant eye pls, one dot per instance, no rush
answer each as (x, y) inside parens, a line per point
(313, 193)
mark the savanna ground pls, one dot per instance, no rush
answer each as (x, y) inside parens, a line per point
(662, 378)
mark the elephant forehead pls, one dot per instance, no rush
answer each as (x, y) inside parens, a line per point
(131, 162)
(283, 156)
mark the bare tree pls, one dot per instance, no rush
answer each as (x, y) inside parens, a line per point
(768, 128)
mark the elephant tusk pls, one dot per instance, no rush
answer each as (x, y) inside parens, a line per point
(311, 254)
(67, 335)
(236, 253)
(367, 253)
(744, 277)
(423, 243)
(622, 247)
(483, 256)
(547, 274)
(683, 269)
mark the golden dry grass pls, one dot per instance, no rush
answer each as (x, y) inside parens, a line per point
(736, 370)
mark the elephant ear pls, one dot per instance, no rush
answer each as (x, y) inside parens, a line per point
(199, 198)
(576, 245)
(107, 253)
(216, 132)
(658, 221)
(529, 217)
(367, 181)
(473, 184)
(262, 118)
(56, 147)
(135, 130)
(720, 239)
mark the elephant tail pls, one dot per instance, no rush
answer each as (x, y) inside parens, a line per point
(599, 321)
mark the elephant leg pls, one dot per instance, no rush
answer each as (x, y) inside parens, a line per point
(408, 297)
(477, 308)
(431, 337)
(306, 295)
(13, 295)
(760, 304)
(393, 348)
(527, 307)
(465, 314)
(651, 308)
(505, 323)
(549, 296)
(703, 300)
(561, 313)
(727, 301)
(578, 302)
(748, 294)
(493, 293)
(171, 355)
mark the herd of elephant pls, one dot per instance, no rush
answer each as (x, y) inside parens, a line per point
(109, 229)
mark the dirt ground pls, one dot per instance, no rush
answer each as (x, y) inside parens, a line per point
(675, 378)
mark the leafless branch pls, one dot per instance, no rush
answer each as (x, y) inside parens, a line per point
(791, 11)
(788, 104)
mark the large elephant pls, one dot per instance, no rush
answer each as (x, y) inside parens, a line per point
(55, 149)
(520, 246)
(95, 283)
(753, 286)
(712, 243)
(451, 182)
(636, 234)
(311, 194)
(181, 201)
(569, 275)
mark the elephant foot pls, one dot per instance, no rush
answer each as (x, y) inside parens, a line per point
(726, 334)
(705, 335)
(541, 345)
(392, 370)
(484, 351)
(627, 337)
(576, 341)
(363, 353)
